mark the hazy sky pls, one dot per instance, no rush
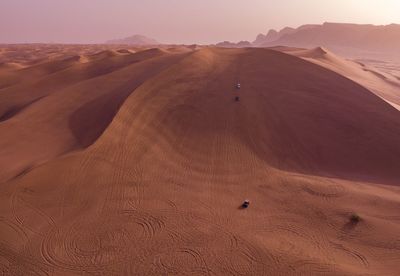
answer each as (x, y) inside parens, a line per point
(176, 21)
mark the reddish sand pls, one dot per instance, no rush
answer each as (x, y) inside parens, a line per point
(382, 84)
(136, 162)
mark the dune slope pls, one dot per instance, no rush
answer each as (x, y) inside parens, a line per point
(159, 192)
(380, 83)
(68, 110)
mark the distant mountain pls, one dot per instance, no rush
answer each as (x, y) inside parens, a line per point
(135, 40)
(272, 35)
(336, 36)
(228, 44)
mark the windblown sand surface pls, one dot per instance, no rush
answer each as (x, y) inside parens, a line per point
(382, 80)
(136, 161)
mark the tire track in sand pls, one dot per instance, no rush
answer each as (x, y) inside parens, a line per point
(89, 245)
(360, 258)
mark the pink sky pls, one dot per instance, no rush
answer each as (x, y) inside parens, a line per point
(176, 21)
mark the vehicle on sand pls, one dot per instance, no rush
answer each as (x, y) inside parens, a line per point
(246, 204)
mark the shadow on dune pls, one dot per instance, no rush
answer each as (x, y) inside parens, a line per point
(89, 121)
(296, 116)
(16, 109)
(319, 122)
(52, 76)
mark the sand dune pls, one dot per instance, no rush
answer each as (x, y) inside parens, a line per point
(78, 105)
(137, 164)
(384, 85)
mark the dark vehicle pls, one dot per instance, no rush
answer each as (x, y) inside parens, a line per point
(246, 204)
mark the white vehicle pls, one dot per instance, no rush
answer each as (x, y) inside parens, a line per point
(238, 85)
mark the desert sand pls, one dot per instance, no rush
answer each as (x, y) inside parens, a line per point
(383, 83)
(135, 161)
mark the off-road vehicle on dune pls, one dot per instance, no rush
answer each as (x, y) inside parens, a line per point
(246, 203)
